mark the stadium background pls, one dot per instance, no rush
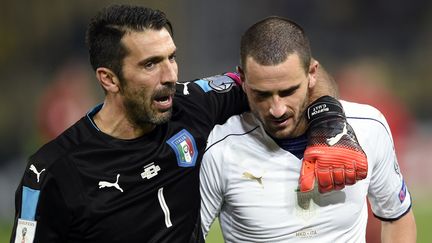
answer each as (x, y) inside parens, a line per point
(379, 51)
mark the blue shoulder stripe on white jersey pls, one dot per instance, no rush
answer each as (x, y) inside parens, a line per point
(30, 198)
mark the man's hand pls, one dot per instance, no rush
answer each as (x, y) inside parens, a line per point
(333, 154)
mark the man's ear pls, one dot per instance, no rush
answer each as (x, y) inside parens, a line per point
(242, 77)
(108, 80)
(313, 72)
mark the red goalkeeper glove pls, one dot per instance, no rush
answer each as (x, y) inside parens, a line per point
(333, 154)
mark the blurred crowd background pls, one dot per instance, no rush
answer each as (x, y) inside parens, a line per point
(379, 52)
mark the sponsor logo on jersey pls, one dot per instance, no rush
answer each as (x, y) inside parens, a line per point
(251, 176)
(218, 83)
(185, 87)
(183, 144)
(402, 193)
(151, 170)
(38, 173)
(115, 184)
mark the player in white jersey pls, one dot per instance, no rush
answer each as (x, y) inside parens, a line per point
(251, 168)
(254, 185)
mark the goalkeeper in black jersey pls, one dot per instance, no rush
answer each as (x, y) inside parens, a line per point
(128, 170)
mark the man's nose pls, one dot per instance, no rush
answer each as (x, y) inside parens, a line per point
(277, 107)
(169, 72)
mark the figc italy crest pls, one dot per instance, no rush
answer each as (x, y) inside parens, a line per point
(184, 146)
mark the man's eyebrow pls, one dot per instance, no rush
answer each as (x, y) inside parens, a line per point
(173, 53)
(155, 59)
(288, 90)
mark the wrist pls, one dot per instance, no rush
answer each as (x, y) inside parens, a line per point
(324, 107)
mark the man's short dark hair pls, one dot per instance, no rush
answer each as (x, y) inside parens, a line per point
(108, 27)
(271, 40)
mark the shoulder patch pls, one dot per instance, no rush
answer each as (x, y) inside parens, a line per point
(402, 192)
(217, 83)
(183, 144)
(25, 231)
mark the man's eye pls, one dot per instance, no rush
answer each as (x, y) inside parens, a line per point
(286, 93)
(172, 58)
(262, 96)
(149, 65)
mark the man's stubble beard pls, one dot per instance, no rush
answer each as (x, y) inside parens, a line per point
(139, 111)
(300, 122)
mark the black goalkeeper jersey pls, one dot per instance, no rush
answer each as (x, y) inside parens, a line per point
(86, 186)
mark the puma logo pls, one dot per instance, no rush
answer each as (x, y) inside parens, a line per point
(185, 87)
(332, 141)
(103, 184)
(249, 175)
(33, 168)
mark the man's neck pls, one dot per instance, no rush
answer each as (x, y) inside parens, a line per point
(113, 121)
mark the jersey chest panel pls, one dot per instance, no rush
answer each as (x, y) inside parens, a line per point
(140, 189)
(262, 195)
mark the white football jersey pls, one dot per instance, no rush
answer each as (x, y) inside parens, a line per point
(252, 185)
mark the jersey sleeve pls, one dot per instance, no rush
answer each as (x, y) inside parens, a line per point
(41, 214)
(211, 187)
(388, 193)
(219, 97)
